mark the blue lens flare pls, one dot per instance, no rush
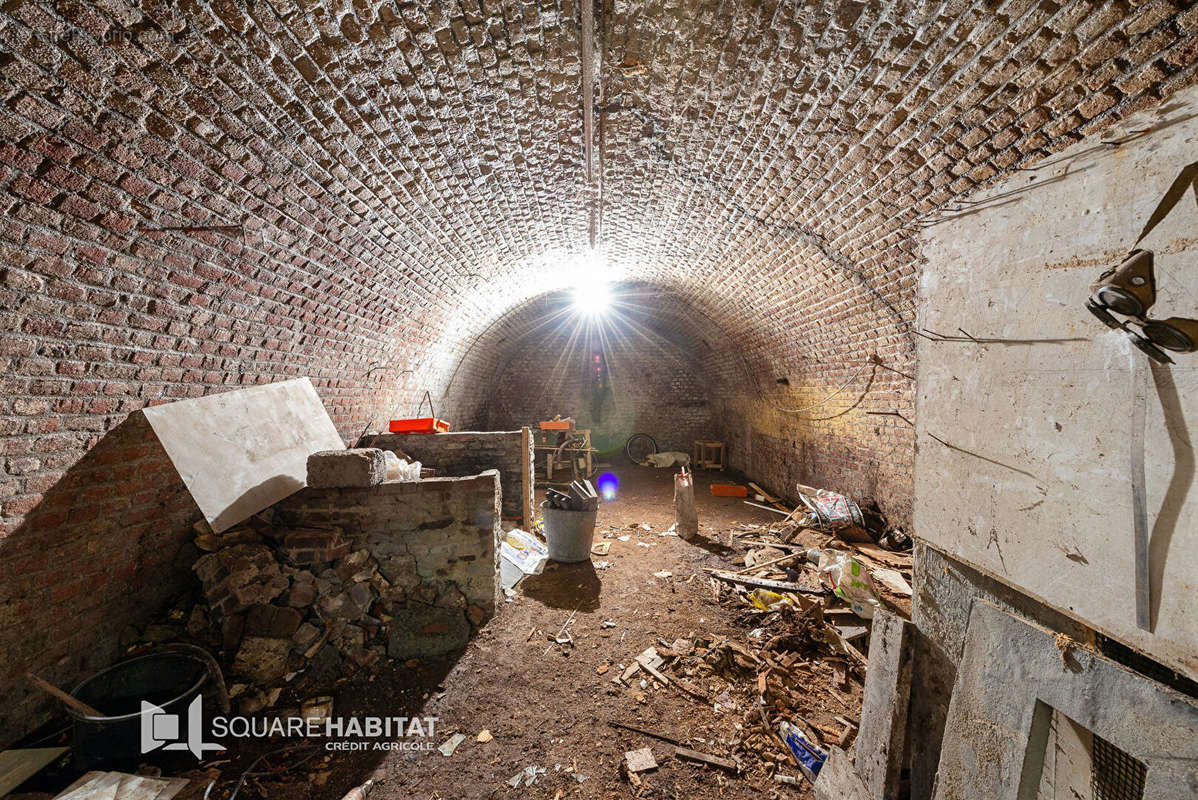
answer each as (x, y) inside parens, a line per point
(608, 483)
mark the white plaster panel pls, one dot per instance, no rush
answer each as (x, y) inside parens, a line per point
(239, 452)
(1042, 500)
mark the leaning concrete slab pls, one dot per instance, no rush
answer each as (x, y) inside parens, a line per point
(1013, 673)
(838, 780)
(880, 744)
(239, 452)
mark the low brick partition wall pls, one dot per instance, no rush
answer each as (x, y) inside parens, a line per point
(436, 544)
(469, 453)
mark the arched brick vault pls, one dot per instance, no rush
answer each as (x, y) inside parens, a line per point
(512, 373)
(405, 173)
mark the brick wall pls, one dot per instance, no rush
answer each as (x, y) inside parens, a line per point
(108, 542)
(436, 542)
(649, 387)
(469, 453)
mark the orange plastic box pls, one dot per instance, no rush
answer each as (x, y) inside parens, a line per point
(728, 490)
(420, 425)
(557, 424)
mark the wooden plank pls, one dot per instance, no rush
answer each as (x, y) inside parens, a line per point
(779, 560)
(172, 788)
(526, 475)
(93, 786)
(767, 508)
(882, 737)
(889, 557)
(838, 780)
(703, 758)
(647, 665)
(769, 498)
(762, 583)
(18, 766)
(122, 786)
(59, 694)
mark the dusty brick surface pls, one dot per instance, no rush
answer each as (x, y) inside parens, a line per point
(407, 174)
(460, 453)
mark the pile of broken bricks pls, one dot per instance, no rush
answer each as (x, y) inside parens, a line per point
(287, 605)
(281, 601)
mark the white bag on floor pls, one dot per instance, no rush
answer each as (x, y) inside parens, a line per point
(668, 459)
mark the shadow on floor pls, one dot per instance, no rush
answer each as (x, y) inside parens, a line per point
(565, 586)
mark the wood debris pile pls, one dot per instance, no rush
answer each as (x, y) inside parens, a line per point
(800, 663)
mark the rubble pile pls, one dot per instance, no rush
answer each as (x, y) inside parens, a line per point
(787, 691)
(283, 606)
(792, 671)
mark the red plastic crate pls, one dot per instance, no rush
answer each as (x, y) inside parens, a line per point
(419, 425)
(728, 490)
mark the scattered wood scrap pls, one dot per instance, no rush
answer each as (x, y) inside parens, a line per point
(703, 758)
(763, 583)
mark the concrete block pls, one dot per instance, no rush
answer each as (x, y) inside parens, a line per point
(883, 733)
(838, 780)
(356, 467)
(1014, 673)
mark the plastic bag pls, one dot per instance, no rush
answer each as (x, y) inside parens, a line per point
(400, 470)
(520, 554)
(766, 600)
(833, 511)
(669, 458)
(849, 580)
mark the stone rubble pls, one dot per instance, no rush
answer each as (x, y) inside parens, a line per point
(278, 601)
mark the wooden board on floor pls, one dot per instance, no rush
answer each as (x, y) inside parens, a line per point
(19, 765)
(526, 477)
(122, 786)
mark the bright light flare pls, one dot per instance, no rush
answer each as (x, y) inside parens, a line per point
(608, 483)
(589, 281)
(592, 297)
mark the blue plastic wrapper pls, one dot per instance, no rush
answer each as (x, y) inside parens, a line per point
(809, 756)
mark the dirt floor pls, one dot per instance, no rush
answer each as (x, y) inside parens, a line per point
(548, 706)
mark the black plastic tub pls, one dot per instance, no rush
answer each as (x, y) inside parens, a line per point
(170, 680)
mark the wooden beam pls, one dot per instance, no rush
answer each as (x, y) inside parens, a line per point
(526, 476)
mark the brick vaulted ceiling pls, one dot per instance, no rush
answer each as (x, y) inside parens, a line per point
(408, 173)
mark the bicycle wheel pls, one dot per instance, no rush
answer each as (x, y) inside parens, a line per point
(639, 447)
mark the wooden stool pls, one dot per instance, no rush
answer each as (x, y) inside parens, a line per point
(708, 455)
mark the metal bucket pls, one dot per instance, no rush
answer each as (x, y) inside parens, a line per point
(168, 679)
(568, 534)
